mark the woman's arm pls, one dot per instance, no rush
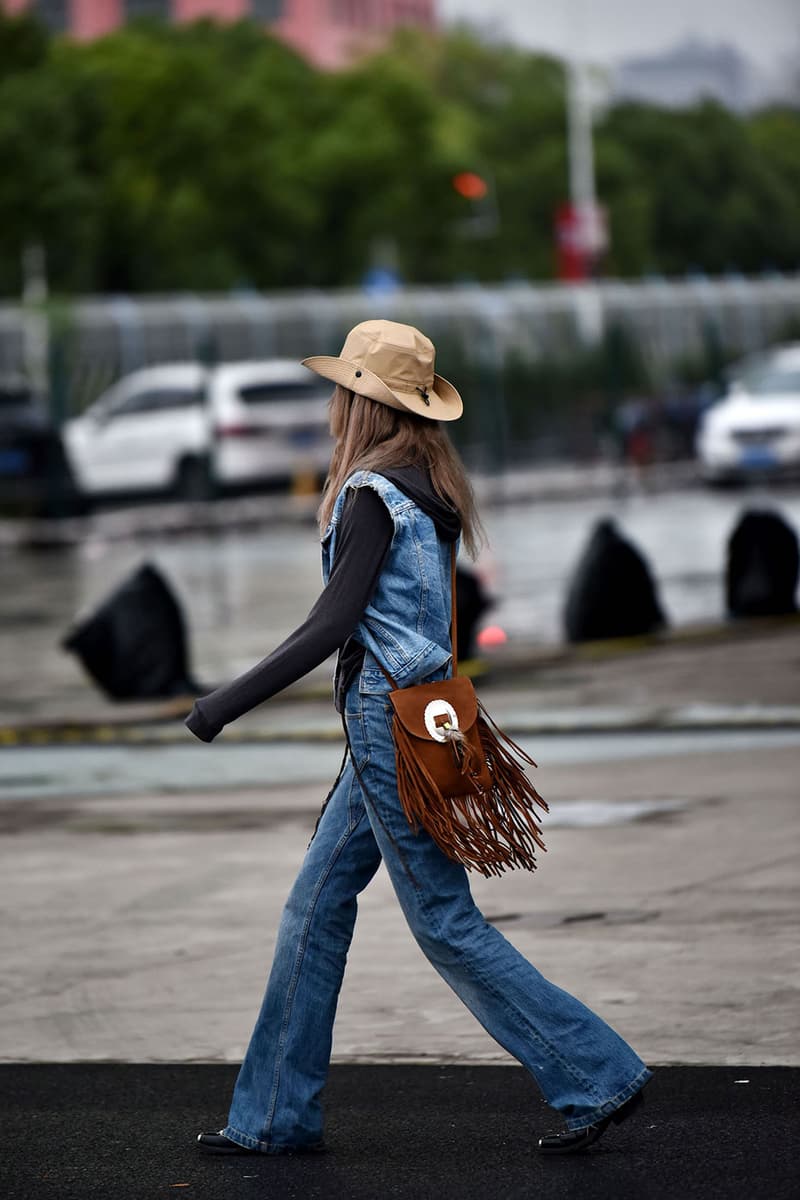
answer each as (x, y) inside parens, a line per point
(361, 546)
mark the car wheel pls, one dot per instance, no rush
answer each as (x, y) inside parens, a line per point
(193, 480)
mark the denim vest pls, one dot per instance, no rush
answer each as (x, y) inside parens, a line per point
(406, 625)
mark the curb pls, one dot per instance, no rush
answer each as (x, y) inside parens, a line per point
(683, 719)
(156, 723)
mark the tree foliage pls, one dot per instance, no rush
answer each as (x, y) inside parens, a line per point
(209, 157)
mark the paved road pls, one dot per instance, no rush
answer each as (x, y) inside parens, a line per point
(103, 1132)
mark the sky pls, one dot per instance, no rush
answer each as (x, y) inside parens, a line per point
(767, 31)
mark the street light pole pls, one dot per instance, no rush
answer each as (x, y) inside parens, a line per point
(587, 219)
(580, 148)
(35, 329)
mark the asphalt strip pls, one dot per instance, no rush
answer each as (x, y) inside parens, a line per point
(127, 1132)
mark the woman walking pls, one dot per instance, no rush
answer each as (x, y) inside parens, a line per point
(395, 503)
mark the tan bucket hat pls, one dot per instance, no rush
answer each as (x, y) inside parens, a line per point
(393, 364)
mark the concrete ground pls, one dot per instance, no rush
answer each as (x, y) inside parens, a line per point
(141, 926)
(143, 918)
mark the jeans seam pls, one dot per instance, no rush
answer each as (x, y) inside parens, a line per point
(423, 595)
(327, 799)
(356, 717)
(435, 925)
(301, 951)
(488, 983)
(610, 1106)
(252, 1143)
(352, 825)
(388, 717)
(368, 800)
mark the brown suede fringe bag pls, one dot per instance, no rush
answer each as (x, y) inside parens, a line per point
(459, 777)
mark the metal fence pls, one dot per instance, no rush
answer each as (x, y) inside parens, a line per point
(89, 342)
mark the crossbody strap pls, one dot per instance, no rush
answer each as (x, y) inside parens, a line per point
(453, 622)
(453, 610)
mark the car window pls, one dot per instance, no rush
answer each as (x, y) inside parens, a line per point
(269, 393)
(157, 400)
(770, 380)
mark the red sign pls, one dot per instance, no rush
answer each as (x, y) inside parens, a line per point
(581, 237)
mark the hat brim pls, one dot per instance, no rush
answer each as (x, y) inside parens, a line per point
(443, 401)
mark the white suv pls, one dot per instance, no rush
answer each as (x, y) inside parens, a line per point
(190, 429)
(755, 428)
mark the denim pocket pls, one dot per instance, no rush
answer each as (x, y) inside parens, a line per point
(373, 682)
(356, 734)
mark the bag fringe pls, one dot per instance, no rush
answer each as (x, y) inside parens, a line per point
(490, 831)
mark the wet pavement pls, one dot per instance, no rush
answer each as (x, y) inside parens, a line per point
(29, 772)
(244, 589)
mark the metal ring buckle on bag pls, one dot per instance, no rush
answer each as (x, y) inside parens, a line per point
(439, 708)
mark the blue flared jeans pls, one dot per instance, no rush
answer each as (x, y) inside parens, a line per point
(582, 1067)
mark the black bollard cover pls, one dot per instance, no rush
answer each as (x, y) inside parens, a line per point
(471, 603)
(134, 644)
(612, 593)
(762, 567)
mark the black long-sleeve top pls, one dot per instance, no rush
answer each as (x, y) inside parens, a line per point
(363, 541)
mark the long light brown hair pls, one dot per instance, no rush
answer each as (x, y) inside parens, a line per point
(372, 436)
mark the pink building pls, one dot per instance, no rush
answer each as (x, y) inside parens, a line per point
(328, 32)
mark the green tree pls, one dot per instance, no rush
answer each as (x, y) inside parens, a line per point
(24, 44)
(714, 199)
(44, 195)
(381, 174)
(774, 138)
(206, 157)
(502, 115)
(195, 139)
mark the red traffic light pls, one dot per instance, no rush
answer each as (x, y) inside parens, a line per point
(470, 186)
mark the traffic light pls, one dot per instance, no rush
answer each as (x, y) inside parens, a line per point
(470, 186)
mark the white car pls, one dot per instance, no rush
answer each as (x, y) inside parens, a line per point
(190, 429)
(754, 430)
